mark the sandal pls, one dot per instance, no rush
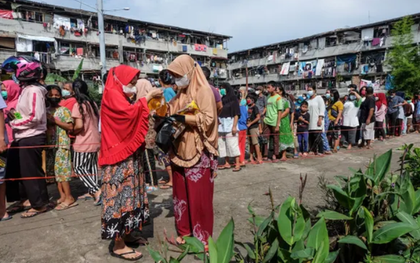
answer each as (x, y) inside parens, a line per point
(85, 197)
(165, 187)
(29, 214)
(99, 203)
(64, 206)
(121, 256)
(150, 189)
(237, 170)
(162, 182)
(6, 218)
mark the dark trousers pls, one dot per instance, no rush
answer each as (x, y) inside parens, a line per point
(303, 139)
(379, 129)
(315, 141)
(393, 129)
(149, 165)
(273, 140)
(349, 135)
(25, 163)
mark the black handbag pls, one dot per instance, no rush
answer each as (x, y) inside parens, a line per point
(164, 131)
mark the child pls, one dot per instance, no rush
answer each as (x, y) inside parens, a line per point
(242, 128)
(254, 117)
(59, 157)
(302, 120)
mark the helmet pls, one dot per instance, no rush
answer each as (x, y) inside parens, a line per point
(27, 68)
(166, 77)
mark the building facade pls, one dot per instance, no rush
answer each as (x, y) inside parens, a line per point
(61, 37)
(333, 59)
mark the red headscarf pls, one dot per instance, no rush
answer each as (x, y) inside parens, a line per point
(381, 100)
(123, 125)
(13, 92)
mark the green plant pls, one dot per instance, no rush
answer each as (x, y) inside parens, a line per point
(370, 199)
(410, 162)
(404, 58)
(78, 70)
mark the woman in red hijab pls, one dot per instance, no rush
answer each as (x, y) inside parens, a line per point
(13, 92)
(124, 127)
(380, 113)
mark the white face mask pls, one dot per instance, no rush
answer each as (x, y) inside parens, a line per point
(129, 89)
(182, 82)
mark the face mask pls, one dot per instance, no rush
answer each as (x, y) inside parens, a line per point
(4, 94)
(376, 98)
(65, 93)
(363, 92)
(352, 97)
(243, 102)
(129, 89)
(249, 102)
(408, 101)
(223, 92)
(182, 82)
(310, 93)
(258, 92)
(54, 101)
(328, 96)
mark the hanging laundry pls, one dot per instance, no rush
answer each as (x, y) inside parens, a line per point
(285, 69)
(376, 42)
(79, 51)
(184, 48)
(319, 67)
(214, 51)
(36, 56)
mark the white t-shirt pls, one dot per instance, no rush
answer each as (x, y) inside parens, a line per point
(350, 113)
(316, 109)
(412, 106)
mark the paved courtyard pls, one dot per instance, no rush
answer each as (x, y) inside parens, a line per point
(74, 235)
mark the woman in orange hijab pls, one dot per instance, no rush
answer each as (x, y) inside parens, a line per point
(194, 155)
(124, 127)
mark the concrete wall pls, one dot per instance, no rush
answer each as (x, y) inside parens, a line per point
(311, 54)
(12, 27)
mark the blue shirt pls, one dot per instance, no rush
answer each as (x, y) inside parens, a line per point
(243, 119)
(168, 93)
(392, 102)
(418, 108)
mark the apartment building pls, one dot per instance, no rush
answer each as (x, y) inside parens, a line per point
(61, 37)
(331, 59)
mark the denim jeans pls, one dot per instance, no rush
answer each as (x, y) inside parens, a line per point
(303, 139)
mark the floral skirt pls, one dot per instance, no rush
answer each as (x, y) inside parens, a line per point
(59, 164)
(286, 135)
(124, 197)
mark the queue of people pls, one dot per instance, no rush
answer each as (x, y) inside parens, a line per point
(120, 138)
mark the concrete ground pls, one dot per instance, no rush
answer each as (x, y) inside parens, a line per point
(74, 235)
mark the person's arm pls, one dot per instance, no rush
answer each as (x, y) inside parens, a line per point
(321, 107)
(78, 126)
(340, 114)
(279, 113)
(3, 146)
(285, 113)
(219, 106)
(255, 120)
(235, 125)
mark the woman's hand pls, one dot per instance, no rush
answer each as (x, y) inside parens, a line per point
(234, 131)
(154, 94)
(11, 114)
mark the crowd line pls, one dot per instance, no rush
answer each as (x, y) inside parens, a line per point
(56, 132)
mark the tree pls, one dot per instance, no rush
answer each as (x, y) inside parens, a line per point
(404, 58)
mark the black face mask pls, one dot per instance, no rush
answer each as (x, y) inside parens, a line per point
(54, 101)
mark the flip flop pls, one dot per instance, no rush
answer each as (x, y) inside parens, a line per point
(6, 218)
(165, 187)
(150, 189)
(99, 203)
(237, 170)
(121, 256)
(85, 197)
(162, 182)
(31, 214)
(64, 206)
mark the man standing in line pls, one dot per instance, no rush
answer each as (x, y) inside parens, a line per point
(272, 120)
(367, 117)
(316, 123)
